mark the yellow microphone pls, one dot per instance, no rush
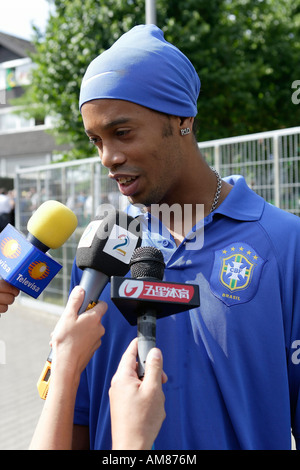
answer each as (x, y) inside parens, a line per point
(51, 225)
(23, 260)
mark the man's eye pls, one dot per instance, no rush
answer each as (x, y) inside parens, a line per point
(122, 132)
(94, 140)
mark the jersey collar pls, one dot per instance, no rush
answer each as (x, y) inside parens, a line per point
(241, 203)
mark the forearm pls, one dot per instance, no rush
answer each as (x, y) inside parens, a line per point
(74, 341)
(137, 430)
(54, 429)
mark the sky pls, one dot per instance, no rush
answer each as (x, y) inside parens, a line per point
(17, 16)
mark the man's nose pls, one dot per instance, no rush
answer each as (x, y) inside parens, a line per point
(111, 157)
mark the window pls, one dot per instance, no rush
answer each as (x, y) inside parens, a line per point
(11, 121)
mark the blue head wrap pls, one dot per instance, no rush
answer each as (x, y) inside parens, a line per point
(142, 67)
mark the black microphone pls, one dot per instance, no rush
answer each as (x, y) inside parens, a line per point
(145, 297)
(105, 249)
(146, 263)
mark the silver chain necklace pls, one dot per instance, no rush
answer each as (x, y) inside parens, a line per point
(218, 191)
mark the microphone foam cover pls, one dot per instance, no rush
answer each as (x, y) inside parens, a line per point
(147, 262)
(52, 223)
(108, 242)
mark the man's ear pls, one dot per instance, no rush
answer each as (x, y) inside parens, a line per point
(186, 123)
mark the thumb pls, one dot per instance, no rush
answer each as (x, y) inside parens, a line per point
(154, 367)
(75, 300)
(71, 310)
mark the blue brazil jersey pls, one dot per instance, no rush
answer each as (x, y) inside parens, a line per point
(233, 364)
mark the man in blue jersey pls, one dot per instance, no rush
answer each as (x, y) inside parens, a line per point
(232, 364)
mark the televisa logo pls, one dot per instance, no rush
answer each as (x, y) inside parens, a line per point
(10, 248)
(38, 270)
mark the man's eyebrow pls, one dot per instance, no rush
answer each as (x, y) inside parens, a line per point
(110, 124)
(117, 122)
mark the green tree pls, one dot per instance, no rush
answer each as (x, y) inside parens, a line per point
(247, 55)
(245, 51)
(76, 33)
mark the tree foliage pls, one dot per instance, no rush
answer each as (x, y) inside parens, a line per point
(245, 51)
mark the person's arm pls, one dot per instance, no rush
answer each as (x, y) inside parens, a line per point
(8, 293)
(74, 341)
(137, 406)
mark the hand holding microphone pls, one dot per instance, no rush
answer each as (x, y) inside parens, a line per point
(104, 249)
(138, 430)
(74, 340)
(8, 294)
(76, 337)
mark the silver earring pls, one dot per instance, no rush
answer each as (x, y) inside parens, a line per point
(185, 131)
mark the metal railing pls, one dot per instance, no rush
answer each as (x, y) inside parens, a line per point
(269, 161)
(82, 185)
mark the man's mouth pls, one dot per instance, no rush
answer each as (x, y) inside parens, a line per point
(126, 180)
(128, 185)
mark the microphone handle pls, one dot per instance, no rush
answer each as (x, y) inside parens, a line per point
(37, 243)
(93, 283)
(146, 327)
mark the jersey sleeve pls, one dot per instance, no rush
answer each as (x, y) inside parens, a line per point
(283, 230)
(289, 261)
(293, 356)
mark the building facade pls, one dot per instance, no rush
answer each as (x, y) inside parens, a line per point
(23, 142)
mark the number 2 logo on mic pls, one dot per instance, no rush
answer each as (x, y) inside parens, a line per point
(121, 244)
(124, 242)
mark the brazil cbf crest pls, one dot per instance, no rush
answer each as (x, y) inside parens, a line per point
(236, 273)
